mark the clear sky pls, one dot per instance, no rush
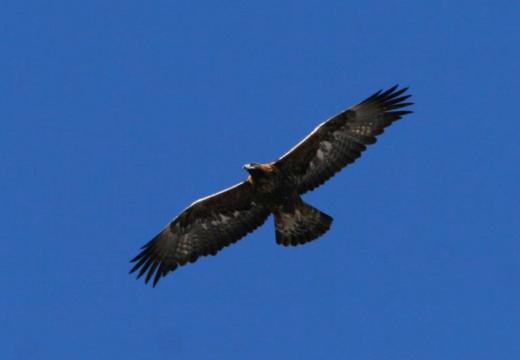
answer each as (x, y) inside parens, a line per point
(117, 114)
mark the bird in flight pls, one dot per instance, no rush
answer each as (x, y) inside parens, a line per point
(213, 222)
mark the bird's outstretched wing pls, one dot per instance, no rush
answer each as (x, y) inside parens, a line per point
(205, 227)
(340, 140)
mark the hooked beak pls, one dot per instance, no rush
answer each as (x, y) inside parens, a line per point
(247, 167)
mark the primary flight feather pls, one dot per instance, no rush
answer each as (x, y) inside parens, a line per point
(213, 222)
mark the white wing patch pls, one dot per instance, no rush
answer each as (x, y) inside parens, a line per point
(322, 154)
(326, 145)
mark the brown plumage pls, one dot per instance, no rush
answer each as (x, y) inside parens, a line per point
(213, 222)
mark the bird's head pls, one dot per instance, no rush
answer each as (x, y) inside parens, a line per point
(252, 167)
(259, 172)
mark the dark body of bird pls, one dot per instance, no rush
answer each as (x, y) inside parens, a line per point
(213, 222)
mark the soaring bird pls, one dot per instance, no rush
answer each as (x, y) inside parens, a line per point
(218, 220)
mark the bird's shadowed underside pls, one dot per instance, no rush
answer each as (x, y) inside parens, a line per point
(216, 221)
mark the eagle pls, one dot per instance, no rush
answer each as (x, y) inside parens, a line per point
(216, 221)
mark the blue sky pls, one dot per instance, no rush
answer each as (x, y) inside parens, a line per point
(116, 115)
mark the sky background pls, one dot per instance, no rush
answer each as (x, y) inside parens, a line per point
(116, 115)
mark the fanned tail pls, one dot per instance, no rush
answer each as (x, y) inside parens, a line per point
(298, 223)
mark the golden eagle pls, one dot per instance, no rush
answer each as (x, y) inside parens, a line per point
(213, 222)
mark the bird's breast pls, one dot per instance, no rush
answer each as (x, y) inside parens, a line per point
(273, 191)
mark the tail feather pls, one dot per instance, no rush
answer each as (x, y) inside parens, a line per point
(300, 223)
